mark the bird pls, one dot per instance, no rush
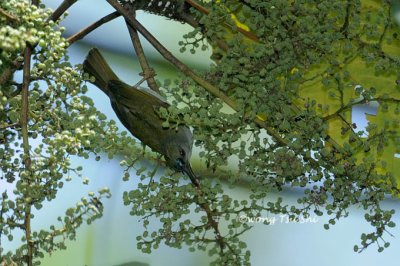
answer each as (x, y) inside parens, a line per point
(137, 109)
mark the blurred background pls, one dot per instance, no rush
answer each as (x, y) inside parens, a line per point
(111, 241)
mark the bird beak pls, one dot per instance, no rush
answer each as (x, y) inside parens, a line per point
(189, 171)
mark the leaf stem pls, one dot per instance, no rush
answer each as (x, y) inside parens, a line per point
(205, 11)
(148, 72)
(25, 139)
(8, 15)
(8, 125)
(25, 104)
(61, 9)
(79, 35)
(25, 143)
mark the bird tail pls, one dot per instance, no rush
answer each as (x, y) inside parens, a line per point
(96, 66)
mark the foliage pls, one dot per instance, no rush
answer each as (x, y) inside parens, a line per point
(301, 72)
(62, 119)
(291, 70)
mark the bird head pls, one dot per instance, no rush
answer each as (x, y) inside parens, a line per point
(177, 152)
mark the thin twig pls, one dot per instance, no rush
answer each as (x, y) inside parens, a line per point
(191, 20)
(344, 29)
(2, 211)
(344, 108)
(387, 24)
(197, 6)
(8, 15)
(205, 11)
(30, 244)
(25, 143)
(25, 139)
(148, 72)
(92, 27)
(24, 104)
(212, 222)
(8, 72)
(61, 9)
(8, 125)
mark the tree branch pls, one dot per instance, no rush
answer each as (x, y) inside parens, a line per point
(344, 28)
(8, 15)
(7, 72)
(92, 27)
(24, 104)
(61, 9)
(388, 21)
(25, 143)
(8, 125)
(148, 73)
(197, 6)
(212, 222)
(205, 11)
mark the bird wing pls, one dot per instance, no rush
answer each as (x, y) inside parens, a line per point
(133, 97)
(137, 110)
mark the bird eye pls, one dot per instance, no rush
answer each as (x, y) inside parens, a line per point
(179, 163)
(182, 153)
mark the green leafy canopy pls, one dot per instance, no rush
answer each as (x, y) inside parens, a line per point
(292, 73)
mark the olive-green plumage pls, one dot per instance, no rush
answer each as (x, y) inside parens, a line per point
(137, 109)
